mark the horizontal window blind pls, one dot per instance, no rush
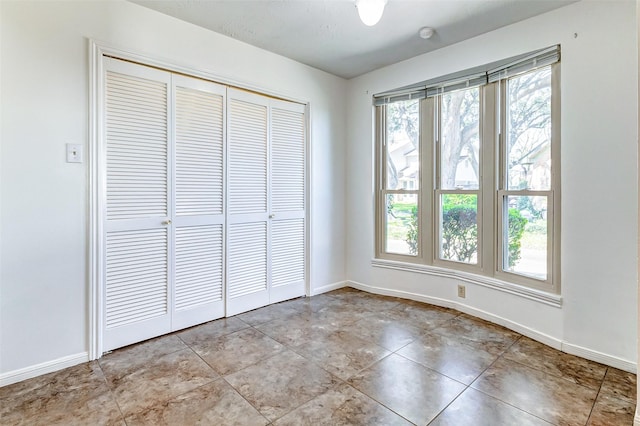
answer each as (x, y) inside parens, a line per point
(457, 84)
(472, 77)
(536, 60)
(419, 93)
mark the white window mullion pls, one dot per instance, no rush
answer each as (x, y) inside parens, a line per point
(489, 180)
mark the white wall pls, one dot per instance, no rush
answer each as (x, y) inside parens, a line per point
(598, 318)
(45, 104)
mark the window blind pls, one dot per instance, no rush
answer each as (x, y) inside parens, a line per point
(472, 77)
(538, 59)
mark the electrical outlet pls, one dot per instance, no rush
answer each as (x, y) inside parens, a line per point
(462, 291)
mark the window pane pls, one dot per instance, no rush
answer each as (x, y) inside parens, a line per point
(403, 130)
(525, 250)
(529, 131)
(460, 139)
(459, 227)
(401, 234)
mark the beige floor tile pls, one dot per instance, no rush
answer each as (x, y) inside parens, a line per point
(341, 353)
(542, 357)
(421, 315)
(609, 411)
(551, 398)
(76, 395)
(620, 384)
(413, 391)
(386, 331)
(478, 333)
(124, 361)
(298, 329)
(474, 408)
(341, 406)
(211, 330)
(374, 302)
(313, 303)
(164, 378)
(268, 313)
(450, 356)
(216, 403)
(232, 352)
(281, 383)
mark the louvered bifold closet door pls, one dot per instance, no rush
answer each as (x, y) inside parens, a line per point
(199, 219)
(288, 143)
(135, 165)
(248, 177)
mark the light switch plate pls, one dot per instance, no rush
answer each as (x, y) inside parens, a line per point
(74, 153)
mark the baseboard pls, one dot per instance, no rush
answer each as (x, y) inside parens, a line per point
(602, 358)
(636, 418)
(328, 287)
(44, 368)
(555, 343)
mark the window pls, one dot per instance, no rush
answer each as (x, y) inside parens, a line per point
(457, 141)
(401, 169)
(468, 172)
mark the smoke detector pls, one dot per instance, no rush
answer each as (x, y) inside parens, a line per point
(426, 32)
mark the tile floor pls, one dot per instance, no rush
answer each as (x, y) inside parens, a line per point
(342, 358)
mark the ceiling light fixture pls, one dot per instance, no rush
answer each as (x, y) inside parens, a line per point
(426, 32)
(370, 11)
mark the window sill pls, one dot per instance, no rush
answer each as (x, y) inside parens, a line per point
(551, 299)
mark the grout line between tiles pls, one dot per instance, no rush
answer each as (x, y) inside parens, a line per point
(113, 396)
(597, 395)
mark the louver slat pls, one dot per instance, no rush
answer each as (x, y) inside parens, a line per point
(198, 265)
(247, 250)
(287, 145)
(199, 152)
(140, 293)
(247, 157)
(287, 252)
(136, 146)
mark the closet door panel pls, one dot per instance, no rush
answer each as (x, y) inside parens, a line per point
(137, 245)
(247, 242)
(288, 242)
(199, 201)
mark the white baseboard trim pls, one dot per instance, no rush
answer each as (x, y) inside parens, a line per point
(602, 358)
(555, 343)
(43, 368)
(636, 418)
(328, 287)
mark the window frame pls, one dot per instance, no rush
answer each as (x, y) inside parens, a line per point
(552, 282)
(382, 192)
(491, 192)
(436, 140)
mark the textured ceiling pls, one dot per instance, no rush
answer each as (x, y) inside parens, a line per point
(327, 34)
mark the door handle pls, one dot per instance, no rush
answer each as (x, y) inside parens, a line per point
(271, 216)
(166, 222)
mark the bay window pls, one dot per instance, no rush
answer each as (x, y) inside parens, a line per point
(467, 174)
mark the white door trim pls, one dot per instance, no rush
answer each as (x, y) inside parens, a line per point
(97, 50)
